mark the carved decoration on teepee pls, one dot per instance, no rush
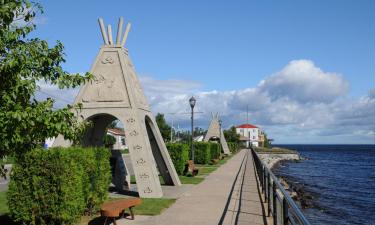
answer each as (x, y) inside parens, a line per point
(116, 93)
(215, 132)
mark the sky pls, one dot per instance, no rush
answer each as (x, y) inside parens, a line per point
(304, 69)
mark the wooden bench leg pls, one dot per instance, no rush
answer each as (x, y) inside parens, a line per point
(105, 221)
(114, 221)
(131, 213)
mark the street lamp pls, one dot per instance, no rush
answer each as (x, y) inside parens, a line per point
(192, 102)
(220, 122)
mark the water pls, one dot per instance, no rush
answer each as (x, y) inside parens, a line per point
(341, 179)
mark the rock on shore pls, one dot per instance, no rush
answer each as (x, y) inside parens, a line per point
(296, 190)
(271, 159)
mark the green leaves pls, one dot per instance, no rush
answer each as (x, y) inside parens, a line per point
(164, 128)
(179, 154)
(24, 121)
(59, 185)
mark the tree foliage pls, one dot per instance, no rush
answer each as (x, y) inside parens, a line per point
(164, 128)
(231, 135)
(267, 142)
(57, 186)
(24, 121)
(109, 141)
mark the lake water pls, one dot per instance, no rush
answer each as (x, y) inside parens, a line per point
(341, 179)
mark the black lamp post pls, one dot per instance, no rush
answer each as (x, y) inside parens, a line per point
(192, 102)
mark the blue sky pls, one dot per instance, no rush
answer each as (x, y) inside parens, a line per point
(226, 48)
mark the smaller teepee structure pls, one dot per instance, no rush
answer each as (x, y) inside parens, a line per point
(215, 132)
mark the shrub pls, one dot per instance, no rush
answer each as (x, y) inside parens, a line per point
(215, 151)
(179, 154)
(95, 162)
(56, 186)
(202, 154)
(233, 147)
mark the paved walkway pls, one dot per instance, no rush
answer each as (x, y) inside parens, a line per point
(229, 195)
(245, 206)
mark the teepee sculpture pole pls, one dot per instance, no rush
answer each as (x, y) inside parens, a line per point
(127, 29)
(110, 35)
(102, 29)
(119, 30)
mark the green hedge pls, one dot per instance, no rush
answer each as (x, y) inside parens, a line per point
(180, 155)
(202, 154)
(233, 147)
(215, 151)
(57, 186)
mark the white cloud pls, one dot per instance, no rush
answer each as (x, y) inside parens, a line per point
(371, 93)
(299, 104)
(302, 81)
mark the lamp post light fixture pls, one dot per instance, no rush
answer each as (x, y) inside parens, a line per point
(192, 102)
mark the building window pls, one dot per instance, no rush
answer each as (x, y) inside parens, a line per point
(123, 141)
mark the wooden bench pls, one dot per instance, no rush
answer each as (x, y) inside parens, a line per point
(113, 209)
(190, 167)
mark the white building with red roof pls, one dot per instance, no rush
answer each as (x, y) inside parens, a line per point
(249, 134)
(119, 135)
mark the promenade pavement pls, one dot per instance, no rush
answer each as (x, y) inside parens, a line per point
(228, 195)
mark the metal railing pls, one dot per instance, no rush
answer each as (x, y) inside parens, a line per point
(280, 205)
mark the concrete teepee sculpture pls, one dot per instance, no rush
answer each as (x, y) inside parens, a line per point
(215, 132)
(116, 93)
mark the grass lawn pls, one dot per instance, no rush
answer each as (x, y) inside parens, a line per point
(274, 150)
(190, 180)
(124, 151)
(153, 206)
(149, 206)
(3, 203)
(204, 170)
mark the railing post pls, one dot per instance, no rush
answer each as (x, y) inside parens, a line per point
(264, 179)
(269, 193)
(274, 199)
(279, 203)
(265, 186)
(285, 212)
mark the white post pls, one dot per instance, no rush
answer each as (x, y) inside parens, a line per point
(119, 30)
(110, 34)
(127, 29)
(102, 29)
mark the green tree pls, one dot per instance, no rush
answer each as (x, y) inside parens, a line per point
(164, 128)
(24, 121)
(231, 135)
(113, 124)
(199, 131)
(267, 142)
(109, 141)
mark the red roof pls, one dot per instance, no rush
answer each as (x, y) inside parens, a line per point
(116, 131)
(247, 125)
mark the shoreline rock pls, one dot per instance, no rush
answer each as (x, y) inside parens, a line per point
(273, 159)
(296, 190)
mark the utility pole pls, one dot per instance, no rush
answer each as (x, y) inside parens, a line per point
(247, 122)
(247, 114)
